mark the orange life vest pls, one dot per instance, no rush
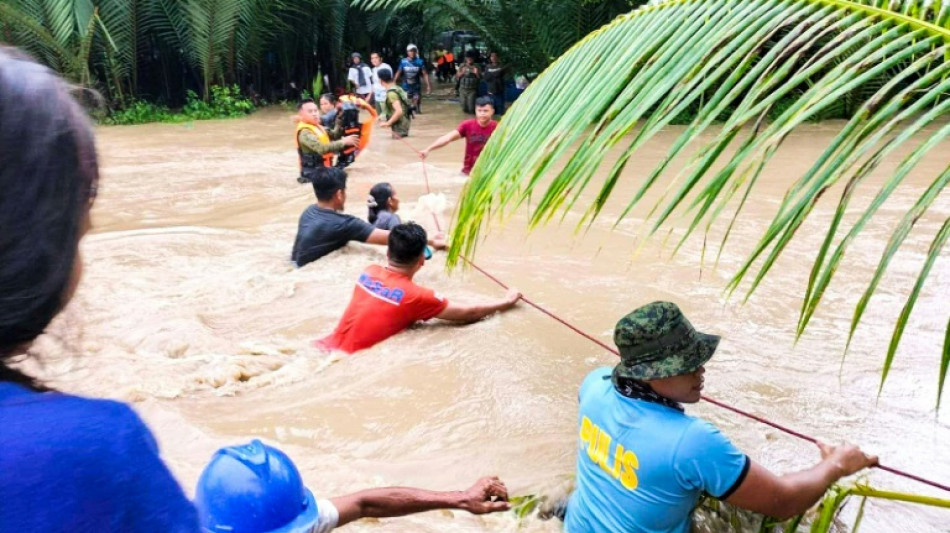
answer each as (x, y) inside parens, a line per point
(310, 161)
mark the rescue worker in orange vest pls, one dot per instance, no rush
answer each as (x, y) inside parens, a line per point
(316, 145)
(444, 64)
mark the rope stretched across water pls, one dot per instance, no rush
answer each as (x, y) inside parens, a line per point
(613, 350)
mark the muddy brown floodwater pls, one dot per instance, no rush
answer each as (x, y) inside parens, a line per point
(191, 310)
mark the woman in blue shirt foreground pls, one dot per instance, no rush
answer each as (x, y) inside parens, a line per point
(88, 465)
(642, 461)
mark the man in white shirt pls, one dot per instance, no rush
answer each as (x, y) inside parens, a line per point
(360, 77)
(379, 92)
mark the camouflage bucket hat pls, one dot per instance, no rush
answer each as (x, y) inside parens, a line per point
(656, 341)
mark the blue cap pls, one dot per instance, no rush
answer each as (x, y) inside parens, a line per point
(253, 488)
(428, 252)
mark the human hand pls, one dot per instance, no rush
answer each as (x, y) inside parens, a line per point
(351, 140)
(847, 458)
(488, 495)
(512, 296)
(424, 154)
(438, 241)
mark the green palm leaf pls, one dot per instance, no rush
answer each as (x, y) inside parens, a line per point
(731, 61)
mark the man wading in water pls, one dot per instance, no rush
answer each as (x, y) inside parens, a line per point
(314, 145)
(476, 132)
(323, 228)
(642, 462)
(387, 301)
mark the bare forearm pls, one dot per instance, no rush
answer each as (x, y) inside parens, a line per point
(802, 489)
(442, 141)
(477, 312)
(399, 501)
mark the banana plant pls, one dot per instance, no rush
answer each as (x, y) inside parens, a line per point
(733, 62)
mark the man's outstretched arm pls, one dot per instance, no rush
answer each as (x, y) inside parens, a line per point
(487, 495)
(453, 135)
(475, 312)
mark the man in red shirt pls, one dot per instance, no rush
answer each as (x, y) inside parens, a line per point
(386, 301)
(476, 132)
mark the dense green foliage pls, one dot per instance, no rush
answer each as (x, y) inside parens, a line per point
(226, 102)
(158, 50)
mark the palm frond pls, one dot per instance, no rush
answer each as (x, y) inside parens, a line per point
(732, 62)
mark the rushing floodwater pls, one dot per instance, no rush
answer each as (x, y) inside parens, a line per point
(191, 310)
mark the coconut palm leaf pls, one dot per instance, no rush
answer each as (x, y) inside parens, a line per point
(760, 68)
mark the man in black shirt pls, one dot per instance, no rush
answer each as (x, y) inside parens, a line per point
(324, 228)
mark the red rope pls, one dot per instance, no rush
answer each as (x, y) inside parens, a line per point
(613, 350)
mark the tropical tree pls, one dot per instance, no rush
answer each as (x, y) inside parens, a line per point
(516, 28)
(750, 71)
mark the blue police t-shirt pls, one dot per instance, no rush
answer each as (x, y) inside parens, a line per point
(642, 466)
(83, 465)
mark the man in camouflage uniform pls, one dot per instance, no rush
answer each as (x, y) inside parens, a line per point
(642, 462)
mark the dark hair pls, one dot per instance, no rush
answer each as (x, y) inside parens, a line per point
(384, 74)
(484, 100)
(407, 242)
(329, 97)
(301, 103)
(379, 200)
(327, 181)
(48, 175)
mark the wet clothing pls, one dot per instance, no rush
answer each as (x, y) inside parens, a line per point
(412, 70)
(495, 78)
(641, 466)
(386, 220)
(328, 120)
(361, 76)
(315, 147)
(383, 304)
(83, 465)
(322, 231)
(475, 137)
(468, 87)
(396, 94)
(327, 517)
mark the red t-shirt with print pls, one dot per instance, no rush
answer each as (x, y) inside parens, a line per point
(475, 138)
(383, 304)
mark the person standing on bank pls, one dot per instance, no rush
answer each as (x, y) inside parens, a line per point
(315, 144)
(468, 76)
(68, 463)
(475, 131)
(396, 105)
(494, 76)
(410, 69)
(360, 78)
(642, 462)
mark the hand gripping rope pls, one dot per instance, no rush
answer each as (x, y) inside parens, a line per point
(613, 350)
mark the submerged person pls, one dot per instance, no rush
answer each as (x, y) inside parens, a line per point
(476, 132)
(315, 144)
(383, 204)
(386, 301)
(256, 488)
(642, 462)
(323, 227)
(397, 107)
(468, 76)
(410, 70)
(68, 463)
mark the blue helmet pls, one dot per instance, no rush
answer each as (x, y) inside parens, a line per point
(253, 488)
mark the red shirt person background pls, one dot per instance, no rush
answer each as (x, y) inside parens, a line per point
(475, 131)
